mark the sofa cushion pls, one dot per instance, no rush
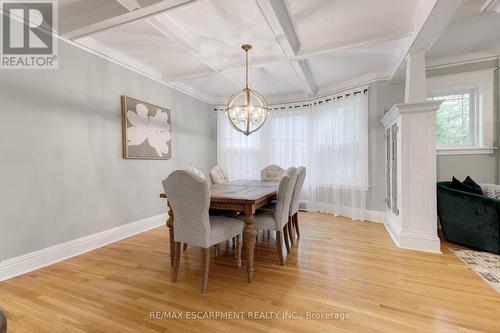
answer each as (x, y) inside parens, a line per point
(469, 182)
(458, 185)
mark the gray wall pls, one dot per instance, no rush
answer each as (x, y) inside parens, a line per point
(482, 168)
(382, 95)
(62, 174)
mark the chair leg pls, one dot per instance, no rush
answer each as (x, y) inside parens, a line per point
(238, 251)
(287, 243)
(184, 247)
(177, 259)
(216, 250)
(234, 243)
(206, 269)
(290, 231)
(296, 223)
(279, 246)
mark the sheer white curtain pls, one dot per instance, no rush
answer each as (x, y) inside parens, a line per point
(330, 139)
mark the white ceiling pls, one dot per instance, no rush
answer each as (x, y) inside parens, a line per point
(301, 49)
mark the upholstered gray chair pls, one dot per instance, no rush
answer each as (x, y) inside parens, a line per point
(197, 172)
(271, 172)
(3, 321)
(218, 176)
(294, 205)
(277, 218)
(189, 198)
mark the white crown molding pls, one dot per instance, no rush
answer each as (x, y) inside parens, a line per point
(463, 58)
(403, 108)
(29, 262)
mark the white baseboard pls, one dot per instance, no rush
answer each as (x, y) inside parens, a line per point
(29, 262)
(375, 216)
(412, 241)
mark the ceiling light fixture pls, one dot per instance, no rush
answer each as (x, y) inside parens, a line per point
(246, 109)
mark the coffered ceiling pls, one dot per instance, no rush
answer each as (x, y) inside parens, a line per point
(301, 49)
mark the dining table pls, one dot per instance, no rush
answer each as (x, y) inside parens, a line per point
(244, 196)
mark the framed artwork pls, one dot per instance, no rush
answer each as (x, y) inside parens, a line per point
(146, 130)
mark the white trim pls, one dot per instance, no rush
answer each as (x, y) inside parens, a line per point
(465, 151)
(462, 59)
(412, 241)
(29, 262)
(482, 83)
(377, 216)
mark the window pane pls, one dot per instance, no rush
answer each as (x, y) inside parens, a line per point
(453, 119)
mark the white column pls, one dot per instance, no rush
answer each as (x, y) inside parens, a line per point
(414, 226)
(416, 88)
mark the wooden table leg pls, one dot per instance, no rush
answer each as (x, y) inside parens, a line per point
(249, 233)
(170, 225)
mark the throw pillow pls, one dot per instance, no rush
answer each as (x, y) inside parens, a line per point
(458, 185)
(469, 182)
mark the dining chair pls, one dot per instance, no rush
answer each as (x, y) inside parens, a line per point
(277, 218)
(271, 172)
(189, 197)
(218, 176)
(293, 217)
(197, 172)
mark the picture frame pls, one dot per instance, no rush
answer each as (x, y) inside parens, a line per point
(146, 130)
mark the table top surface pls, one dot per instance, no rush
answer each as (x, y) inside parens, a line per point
(242, 191)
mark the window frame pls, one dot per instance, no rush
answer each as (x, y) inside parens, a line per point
(481, 82)
(474, 121)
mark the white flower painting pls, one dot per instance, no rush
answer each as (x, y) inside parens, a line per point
(147, 132)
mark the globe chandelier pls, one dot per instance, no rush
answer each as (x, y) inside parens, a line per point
(246, 109)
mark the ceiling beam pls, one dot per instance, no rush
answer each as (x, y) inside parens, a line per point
(130, 5)
(491, 6)
(430, 20)
(278, 19)
(127, 17)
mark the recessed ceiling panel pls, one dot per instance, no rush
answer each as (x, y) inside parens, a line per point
(323, 22)
(75, 14)
(468, 35)
(217, 29)
(339, 66)
(142, 42)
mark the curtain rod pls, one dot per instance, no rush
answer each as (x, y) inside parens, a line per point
(326, 99)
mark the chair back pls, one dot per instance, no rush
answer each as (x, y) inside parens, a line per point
(197, 172)
(284, 197)
(189, 197)
(301, 176)
(271, 172)
(218, 176)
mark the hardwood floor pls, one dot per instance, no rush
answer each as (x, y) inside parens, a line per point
(337, 266)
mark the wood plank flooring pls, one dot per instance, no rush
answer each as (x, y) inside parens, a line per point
(338, 266)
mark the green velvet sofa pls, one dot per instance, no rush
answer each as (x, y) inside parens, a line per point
(469, 219)
(3, 322)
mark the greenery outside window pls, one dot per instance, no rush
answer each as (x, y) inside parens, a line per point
(455, 119)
